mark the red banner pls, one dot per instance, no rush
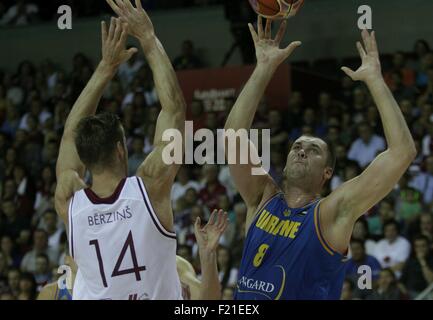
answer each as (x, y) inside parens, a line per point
(217, 88)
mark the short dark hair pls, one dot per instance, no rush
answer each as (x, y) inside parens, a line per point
(96, 139)
(331, 158)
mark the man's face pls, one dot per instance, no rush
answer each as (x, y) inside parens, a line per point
(41, 265)
(421, 247)
(223, 203)
(50, 220)
(386, 211)
(364, 133)
(223, 256)
(9, 209)
(6, 245)
(307, 158)
(426, 224)
(385, 279)
(390, 232)
(40, 240)
(358, 252)
(13, 279)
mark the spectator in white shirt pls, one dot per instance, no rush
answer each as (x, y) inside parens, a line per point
(54, 233)
(228, 274)
(364, 149)
(40, 245)
(392, 251)
(37, 111)
(423, 181)
(129, 69)
(427, 141)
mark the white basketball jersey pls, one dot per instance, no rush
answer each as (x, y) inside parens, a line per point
(121, 249)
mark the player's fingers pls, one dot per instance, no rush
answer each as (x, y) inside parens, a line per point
(128, 5)
(130, 52)
(253, 33)
(103, 32)
(349, 72)
(119, 31)
(260, 27)
(197, 226)
(121, 7)
(268, 29)
(212, 218)
(281, 32)
(114, 6)
(111, 28)
(366, 40)
(124, 33)
(361, 50)
(374, 42)
(224, 222)
(220, 218)
(291, 47)
(138, 4)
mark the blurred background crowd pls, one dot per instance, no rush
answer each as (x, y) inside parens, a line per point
(394, 238)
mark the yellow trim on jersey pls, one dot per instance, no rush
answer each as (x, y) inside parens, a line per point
(322, 241)
(251, 291)
(283, 284)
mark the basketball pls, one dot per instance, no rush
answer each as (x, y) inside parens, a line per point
(276, 9)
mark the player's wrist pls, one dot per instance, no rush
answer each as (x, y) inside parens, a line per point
(207, 254)
(107, 68)
(374, 80)
(149, 42)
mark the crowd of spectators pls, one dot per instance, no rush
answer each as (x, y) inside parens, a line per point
(394, 238)
(26, 12)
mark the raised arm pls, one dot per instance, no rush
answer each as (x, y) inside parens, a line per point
(69, 168)
(351, 200)
(157, 175)
(253, 188)
(207, 240)
(173, 105)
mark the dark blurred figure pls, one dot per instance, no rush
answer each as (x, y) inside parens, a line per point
(188, 58)
(240, 13)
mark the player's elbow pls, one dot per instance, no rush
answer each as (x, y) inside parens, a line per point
(405, 154)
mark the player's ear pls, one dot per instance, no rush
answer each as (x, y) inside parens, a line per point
(328, 173)
(121, 148)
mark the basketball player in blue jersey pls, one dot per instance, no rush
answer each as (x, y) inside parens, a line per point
(296, 242)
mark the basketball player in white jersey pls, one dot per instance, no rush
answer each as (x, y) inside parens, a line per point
(121, 229)
(207, 240)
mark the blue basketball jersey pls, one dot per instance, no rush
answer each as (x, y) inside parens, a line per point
(286, 257)
(63, 294)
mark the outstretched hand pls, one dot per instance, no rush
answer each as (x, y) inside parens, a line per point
(140, 25)
(268, 50)
(114, 51)
(370, 69)
(208, 237)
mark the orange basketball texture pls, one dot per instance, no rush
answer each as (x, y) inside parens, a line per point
(276, 8)
(268, 7)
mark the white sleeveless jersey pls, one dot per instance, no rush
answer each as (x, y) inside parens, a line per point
(121, 249)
